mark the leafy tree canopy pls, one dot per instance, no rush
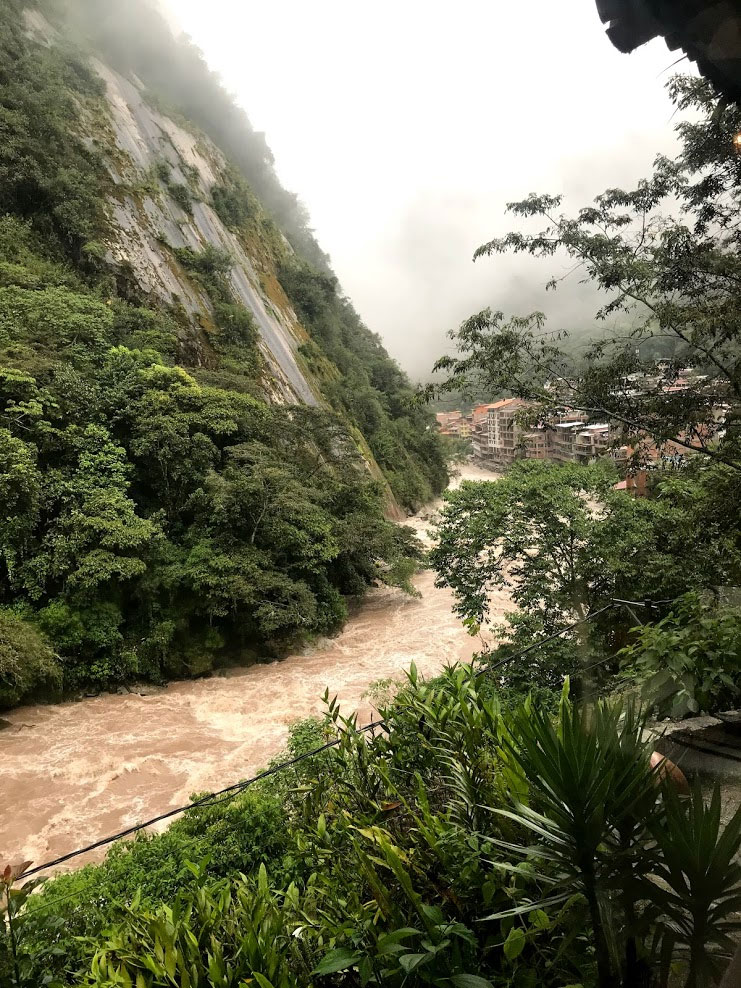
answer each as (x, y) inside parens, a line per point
(666, 257)
(564, 543)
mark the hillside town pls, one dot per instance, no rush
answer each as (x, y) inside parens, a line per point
(506, 430)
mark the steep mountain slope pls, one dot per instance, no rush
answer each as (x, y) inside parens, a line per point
(149, 143)
(199, 439)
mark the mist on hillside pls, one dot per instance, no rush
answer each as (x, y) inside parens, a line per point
(437, 284)
(137, 38)
(406, 128)
(410, 272)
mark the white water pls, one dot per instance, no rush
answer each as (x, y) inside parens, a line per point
(75, 772)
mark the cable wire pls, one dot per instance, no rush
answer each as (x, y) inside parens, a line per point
(209, 798)
(510, 658)
(233, 790)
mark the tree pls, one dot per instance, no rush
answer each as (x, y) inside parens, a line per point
(20, 495)
(564, 543)
(27, 661)
(96, 538)
(666, 256)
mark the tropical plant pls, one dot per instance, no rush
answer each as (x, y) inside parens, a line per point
(592, 789)
(698, 885)
(461, 845)
(690, 660)
(666, 257)
(225, 935)
(18, 967)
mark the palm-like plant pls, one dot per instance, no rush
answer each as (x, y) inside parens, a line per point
(697, 885)
(643, 859)
(591, 786)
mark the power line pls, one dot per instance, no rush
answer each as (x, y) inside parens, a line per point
(544, 641)
(228, 792)
(211, 797)
(46, 906)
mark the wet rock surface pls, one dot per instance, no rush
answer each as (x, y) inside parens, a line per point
(144, 226)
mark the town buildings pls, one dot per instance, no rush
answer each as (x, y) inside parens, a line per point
(577, 442)
(453, 424)
(500, 434)
(502, 431)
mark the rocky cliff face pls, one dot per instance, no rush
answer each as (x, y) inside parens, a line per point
(143, 139)
(168, 203)
(140, 144)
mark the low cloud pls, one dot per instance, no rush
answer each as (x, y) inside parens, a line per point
(420, 281)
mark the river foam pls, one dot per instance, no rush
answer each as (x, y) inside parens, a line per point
(75, 772)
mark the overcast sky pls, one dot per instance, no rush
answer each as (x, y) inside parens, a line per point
(406, 126)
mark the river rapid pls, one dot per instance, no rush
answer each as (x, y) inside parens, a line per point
(74, 772)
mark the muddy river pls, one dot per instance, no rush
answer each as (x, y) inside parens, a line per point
(75, 772)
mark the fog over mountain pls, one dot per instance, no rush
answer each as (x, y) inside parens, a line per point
(406, 128)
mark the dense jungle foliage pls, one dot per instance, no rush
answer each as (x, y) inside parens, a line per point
(500, 830)
(159, 515)
(468, 844)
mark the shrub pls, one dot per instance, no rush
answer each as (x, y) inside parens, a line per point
(236, 323)
(233, 202)
(27, 661)
(463, 846)
(182, 196)
(690, 661)
(230, 837)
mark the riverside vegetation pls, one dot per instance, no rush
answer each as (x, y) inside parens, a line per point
(469, 844)
(160, 516)
(502, 829)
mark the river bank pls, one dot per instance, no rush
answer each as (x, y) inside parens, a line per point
(74, 772)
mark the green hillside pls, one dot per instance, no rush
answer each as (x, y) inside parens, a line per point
(200, 441)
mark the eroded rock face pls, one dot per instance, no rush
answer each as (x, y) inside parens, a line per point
(144, 138)
(147, 222)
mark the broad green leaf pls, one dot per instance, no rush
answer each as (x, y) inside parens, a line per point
(539, 919)
(410, 962)
(470, 981)
(514, 944)
(387, 940)
(262, 980)
(339, 959)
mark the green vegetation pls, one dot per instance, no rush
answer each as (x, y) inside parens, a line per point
(48, 174)
(469, 845)
(133, 37)
(690, 660)
(157, 522)
(371, 389)
(559, 537)
(234, 202)
(565, 543)
(176, 190)
(666, 255)
(26, 660)
(161, 517)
